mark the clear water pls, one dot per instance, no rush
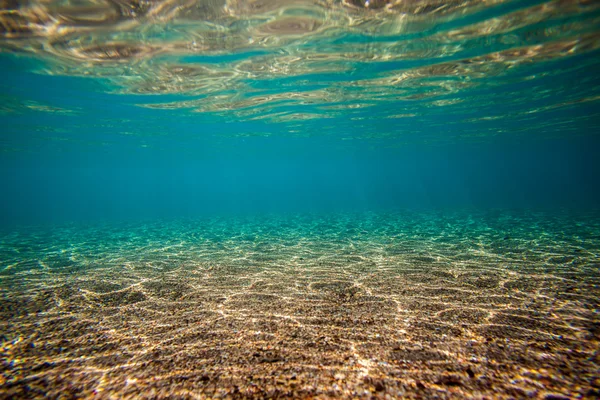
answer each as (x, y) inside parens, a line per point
(299, 199)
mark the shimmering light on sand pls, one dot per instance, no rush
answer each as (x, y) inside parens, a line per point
(408, 304)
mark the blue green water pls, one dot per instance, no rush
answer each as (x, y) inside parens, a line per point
(298, 198)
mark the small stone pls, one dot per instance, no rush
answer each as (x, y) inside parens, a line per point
(470, 372)
(449, 380)
(339, 376)
(552, 396)
(379, 386)
(593, 393)
(596, 383)
(42, 366)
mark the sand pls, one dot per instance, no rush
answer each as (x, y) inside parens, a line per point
(384, 306)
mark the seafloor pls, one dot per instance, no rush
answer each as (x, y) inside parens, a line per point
(399, 305)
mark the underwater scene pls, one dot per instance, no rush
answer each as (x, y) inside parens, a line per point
(304, 199)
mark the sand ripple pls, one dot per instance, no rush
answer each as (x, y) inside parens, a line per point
(501, 305)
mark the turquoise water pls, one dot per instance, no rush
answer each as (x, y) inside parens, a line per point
(302, 199)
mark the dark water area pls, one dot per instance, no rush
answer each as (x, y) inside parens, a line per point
(280, 177)
(560, 174)
(300, 199)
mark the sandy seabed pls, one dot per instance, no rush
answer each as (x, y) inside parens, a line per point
(492, 305)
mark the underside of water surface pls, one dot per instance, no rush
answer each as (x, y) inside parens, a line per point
(299, 199)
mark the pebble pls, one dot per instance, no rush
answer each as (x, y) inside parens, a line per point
(552, 396)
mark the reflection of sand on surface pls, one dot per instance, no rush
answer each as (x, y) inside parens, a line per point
(422, 55)
(409, 306)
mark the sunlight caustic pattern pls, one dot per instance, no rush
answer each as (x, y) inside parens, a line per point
(494, 304)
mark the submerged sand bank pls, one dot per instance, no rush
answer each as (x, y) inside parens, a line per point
(267, 314)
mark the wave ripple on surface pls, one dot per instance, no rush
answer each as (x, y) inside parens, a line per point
(298, 60)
